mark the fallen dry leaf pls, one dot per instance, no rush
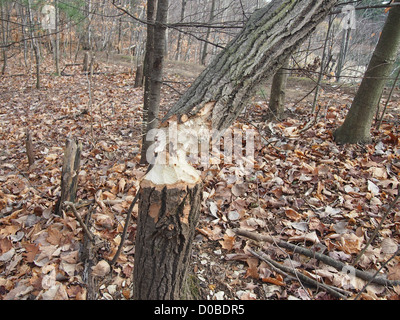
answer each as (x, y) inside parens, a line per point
(101, 269)
(311, 237)
(228, 242)
(276, 281)
(292, 214)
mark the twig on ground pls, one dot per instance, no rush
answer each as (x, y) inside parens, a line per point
(124, 232)
(336, 292)
(321, 257)
(310, 123)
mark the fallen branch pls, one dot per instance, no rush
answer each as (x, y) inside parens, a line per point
(123, 236)
(379, 227)
(321, 257)
(336, 292)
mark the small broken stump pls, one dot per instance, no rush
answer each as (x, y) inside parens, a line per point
(69, 174)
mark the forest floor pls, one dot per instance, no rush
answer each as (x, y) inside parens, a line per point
(304, 190)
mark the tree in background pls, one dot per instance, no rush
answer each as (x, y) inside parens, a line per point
(357, 125)
(276, 105)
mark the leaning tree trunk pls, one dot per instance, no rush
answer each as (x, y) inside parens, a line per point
(171, 190)
(254, 55)
(357, 125)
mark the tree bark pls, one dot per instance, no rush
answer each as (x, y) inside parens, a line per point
(168, 215)
(343, 52)
(35, 44)
(179, 41)
(139, 76)
(148, 58)
(357, 125)
(57, 39)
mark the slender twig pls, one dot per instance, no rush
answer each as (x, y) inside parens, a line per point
(124, 232)
(127, 219)
(310, 123)
(78, 217)
(388, 99)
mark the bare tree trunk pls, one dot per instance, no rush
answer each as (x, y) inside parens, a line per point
(322, 68)
(35, 44)
(357, 125)
(148, 61)
(171, 190)
(85, 63)
(178, 45)
(205, 45)
(153, 73)
(57, 42)
(276, 106)
(139, 76)
(343, 52)
(5, 28)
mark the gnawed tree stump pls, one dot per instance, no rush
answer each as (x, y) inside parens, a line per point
(69, 174)
(169, 209)
(168, 216)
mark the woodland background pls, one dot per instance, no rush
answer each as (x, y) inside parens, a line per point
(305, 189)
